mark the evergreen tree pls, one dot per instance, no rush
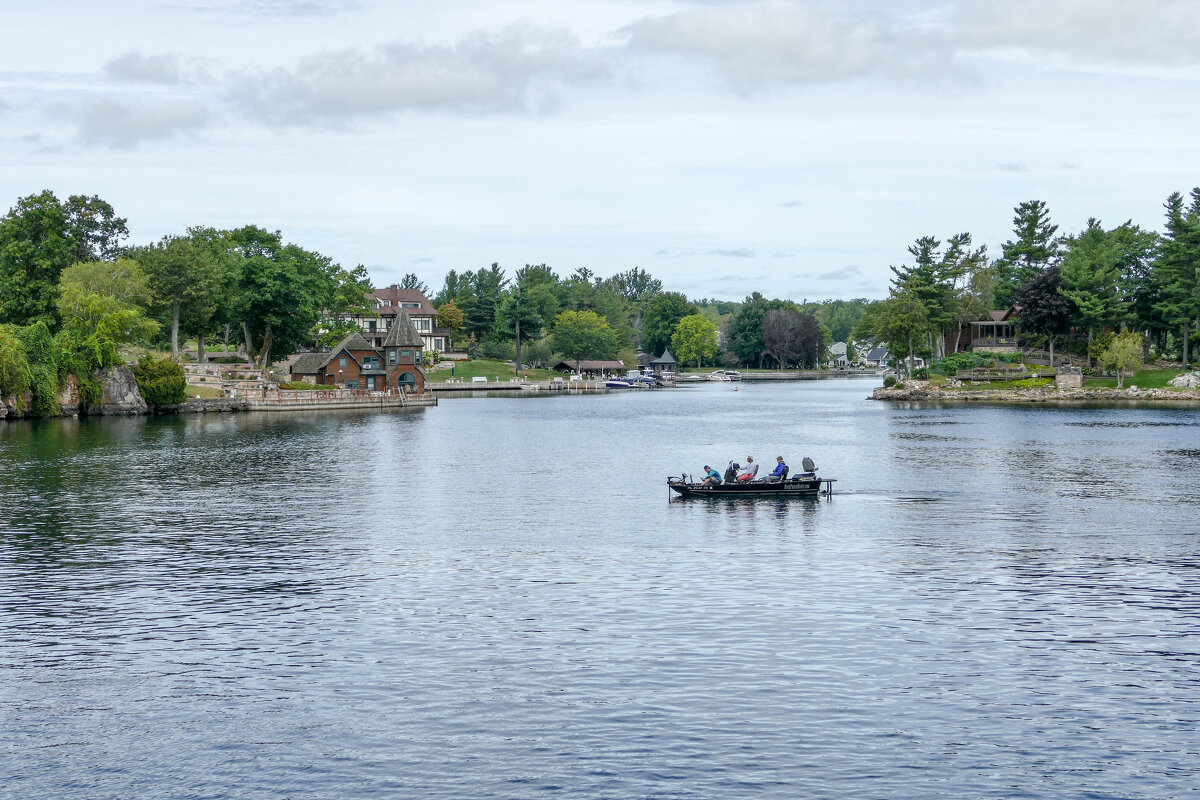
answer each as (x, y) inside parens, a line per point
(1033, 250)
(1177, 269)
(1091, 277)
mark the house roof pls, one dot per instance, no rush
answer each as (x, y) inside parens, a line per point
(837, 349)
(403, 333)
(665, 358)
(588, 366)
(309, 363)
(393, 296)
(877, 354)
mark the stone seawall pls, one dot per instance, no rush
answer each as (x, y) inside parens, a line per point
(920, 391)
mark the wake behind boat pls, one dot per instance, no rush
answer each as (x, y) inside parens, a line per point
(803, 484)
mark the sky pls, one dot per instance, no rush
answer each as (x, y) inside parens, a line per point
(792, 147)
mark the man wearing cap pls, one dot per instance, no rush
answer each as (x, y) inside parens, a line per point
(780, 469)
(714, 477)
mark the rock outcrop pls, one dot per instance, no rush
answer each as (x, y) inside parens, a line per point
(119, 394)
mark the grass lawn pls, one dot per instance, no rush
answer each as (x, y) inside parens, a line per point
(1145, 379)
(485, 368)
(207, 392)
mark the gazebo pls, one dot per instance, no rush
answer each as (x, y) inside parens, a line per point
(664, 363)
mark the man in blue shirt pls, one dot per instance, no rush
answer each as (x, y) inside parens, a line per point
(714, 477)
(780, 469)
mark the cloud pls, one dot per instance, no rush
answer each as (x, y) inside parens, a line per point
(742, 252)
(1012, 166)
(518, 69)
(162, 69)
(850, 271)
(792, 204)
(122, 125)
(1163, 32)
(278, 8)
(779, 42)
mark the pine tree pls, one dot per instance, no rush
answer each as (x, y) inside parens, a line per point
(1175, 271)
(1033, 249)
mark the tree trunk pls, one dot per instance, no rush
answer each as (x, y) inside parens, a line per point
(265, 355)
(1051, 339)
(226, 341)
(200, 348)
(248, 340)
(1091, 335)
(908, 368)
(1186, 328)
(175, 329)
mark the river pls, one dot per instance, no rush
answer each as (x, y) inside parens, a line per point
(495, 598)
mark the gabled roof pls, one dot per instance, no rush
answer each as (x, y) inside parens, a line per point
(395, 296)
(665, 358)
(309, 363)
(403, 333)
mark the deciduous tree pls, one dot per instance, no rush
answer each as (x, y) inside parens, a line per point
(695, 337)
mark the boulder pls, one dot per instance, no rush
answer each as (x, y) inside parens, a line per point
(1188, 380)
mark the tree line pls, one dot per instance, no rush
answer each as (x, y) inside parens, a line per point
(1082, 291)
(70, 281)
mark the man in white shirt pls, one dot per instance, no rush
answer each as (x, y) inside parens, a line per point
(749, 471)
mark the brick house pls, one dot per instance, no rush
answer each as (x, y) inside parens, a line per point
(356, 363)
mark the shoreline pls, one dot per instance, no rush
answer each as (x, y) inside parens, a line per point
(920, 391)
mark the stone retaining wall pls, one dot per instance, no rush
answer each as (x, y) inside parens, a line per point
(922, 391)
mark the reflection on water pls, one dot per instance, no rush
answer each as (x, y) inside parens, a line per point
(497, 598)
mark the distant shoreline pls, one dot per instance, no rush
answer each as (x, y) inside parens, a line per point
(919, 391)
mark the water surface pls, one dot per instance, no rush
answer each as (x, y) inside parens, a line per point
(496, 599)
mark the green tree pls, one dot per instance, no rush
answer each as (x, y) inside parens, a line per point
(35, 247)
(1123, 355)
(1176, 272)
(106, 298)
(583, 334)
(526, 307)
(411, 281)
(187, 281)
(695, 337)
(160, 380)
(1032, 250)
(744, 331)
(95, 228)
(662, 314)
(1091, 277)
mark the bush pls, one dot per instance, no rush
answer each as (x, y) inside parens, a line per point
(921, 373)
(498, 350)
(889, 381)
(160, 380)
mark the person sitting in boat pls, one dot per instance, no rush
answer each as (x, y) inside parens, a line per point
(781, 470)
(749, 471)
(713, 479)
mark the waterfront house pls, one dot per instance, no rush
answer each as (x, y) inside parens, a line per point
(387, 304)
(837, 355)
(876, 357)
(356, 363)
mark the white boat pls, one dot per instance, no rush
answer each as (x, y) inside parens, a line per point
(617, 383)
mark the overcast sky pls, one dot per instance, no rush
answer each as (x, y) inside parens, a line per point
(794, 147)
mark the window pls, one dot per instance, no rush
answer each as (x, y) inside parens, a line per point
(410, 305)
(406, 353)
(342, 361)
(392, 356)
(422, 323)
(351, 384)
(371, 326)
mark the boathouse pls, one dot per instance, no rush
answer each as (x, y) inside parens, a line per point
(356, 363)
(664, 363)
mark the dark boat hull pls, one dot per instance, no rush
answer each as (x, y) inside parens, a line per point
(803, 487)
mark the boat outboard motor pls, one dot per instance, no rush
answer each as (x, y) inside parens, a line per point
(731, 473)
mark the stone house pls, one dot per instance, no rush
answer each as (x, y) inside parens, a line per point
(356, 363)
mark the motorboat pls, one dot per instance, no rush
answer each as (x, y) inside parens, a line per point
(617, 383)
(802, 484)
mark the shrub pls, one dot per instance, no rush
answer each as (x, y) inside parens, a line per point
(14, 368)
(921, 373)
(889, 381)
(160, 380)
